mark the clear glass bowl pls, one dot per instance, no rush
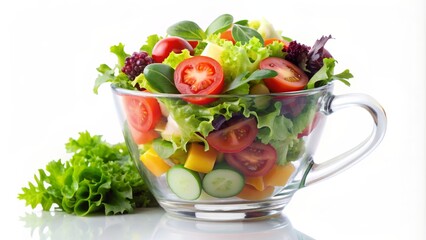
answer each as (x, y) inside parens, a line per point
(237, 157)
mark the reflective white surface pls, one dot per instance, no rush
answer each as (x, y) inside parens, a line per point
(152, 224)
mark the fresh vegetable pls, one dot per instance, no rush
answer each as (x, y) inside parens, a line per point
(215, 122)
(143, 113)
(98, 178)
(143, 137)
(199, 75)
(154, 163)
(160, 78)
(165, 46)
(252, 194)
(255, 160)
(200, 160)
(256, 182)
(279, 175)
(185, 183)
(289, 78)
(223, 182)
(238, 135)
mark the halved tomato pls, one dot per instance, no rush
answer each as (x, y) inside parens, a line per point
(199, 75)
(289, 78)
(143, 137)
(143, 113)
(255, 160)
(234, 138)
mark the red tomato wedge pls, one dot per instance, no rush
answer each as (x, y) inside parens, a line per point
(254, 161)
(143, 113)
(199, 75)
(234, 138)
(289, 78)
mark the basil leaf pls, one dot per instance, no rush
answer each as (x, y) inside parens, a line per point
(186, 29)
(160, 77)
(256, 75)
(243, 23)
(243, 34)
(220, 24)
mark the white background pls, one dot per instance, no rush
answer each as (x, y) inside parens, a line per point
(50, 50)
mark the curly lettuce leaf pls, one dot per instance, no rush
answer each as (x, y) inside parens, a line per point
(150, 43)
(99, 177)
(239, 58)
(175, 58)
(326, 74)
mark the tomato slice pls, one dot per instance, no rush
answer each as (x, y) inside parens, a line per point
(143, 137)
(143, 113)
(289, 78)
(255, 160)
(234, 138)
(199, 75)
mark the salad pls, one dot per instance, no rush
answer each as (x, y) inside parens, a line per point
(230, 135)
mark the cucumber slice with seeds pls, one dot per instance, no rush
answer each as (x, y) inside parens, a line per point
(223, 182)
(185, 183)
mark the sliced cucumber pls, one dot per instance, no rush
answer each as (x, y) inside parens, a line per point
(185, 183)
(223, 182)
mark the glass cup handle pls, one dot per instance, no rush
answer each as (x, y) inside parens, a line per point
(317, 172)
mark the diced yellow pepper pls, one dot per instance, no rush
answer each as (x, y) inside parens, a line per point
(256, 182)
(279, 175)
(154, 163)
(200, 160)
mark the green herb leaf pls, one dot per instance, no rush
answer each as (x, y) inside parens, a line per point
(243, 34)
(256, 75)
(220, 24)
(186, 29)
(160, 77)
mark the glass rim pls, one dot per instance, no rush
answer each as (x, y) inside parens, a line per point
(123, 91)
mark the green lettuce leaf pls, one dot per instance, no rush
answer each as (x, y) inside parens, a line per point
(98, 178)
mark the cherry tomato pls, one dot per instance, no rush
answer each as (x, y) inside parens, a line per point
(143, 113)
(227, 35)
(143, 137)
(234, 138)
(289, 78)
(199, 75)
(165, 46)
(254, 161)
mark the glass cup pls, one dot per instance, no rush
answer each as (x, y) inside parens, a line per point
(235, 157)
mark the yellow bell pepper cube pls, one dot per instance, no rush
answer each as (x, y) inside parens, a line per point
(279, 175)
(154, 163)
(200, 160)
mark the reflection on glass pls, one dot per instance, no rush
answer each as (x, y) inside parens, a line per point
(156, 225)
